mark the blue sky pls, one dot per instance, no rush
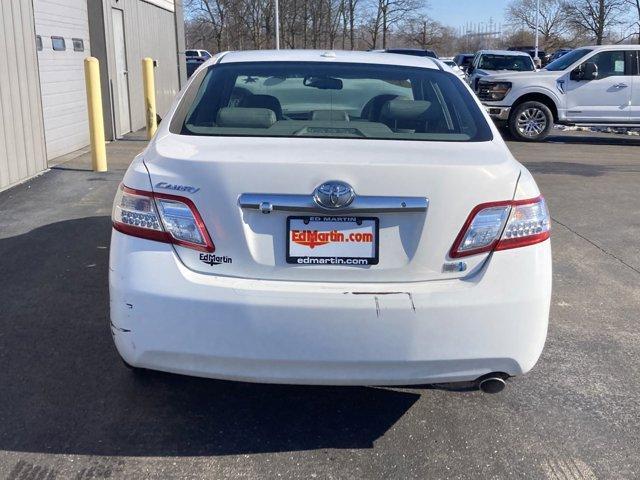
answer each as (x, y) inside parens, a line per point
(456, 13)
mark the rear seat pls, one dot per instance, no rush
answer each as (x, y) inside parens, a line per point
(240, 117)
(406, 115)
(419, 116)
(263, 101)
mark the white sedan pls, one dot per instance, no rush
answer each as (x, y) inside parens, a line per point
(344, 218)
(454, 66)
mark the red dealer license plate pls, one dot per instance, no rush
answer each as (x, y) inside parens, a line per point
(332, 240)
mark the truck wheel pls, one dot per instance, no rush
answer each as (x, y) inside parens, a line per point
(530, 122)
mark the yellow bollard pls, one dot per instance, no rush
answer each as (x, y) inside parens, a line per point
(149, 84)
(96, 120)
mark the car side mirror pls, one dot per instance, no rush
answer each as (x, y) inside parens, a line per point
(470, 69)
(590, 71)
(587, 71)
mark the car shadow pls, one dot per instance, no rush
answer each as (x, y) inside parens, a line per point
(594, 139)
(581, 138)
(579, 169)
(64, 389)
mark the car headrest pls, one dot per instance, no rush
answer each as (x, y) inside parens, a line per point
(403, 110)
(240, 117)
(330, 115)
(263, 101)
(371, 110)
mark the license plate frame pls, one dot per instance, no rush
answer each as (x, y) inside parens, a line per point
(334, 260)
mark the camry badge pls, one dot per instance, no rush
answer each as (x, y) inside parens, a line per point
(175, 186)
(334, 195)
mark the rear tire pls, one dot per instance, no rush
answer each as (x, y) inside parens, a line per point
(530, 122)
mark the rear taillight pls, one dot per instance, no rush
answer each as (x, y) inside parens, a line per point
(502, 225)
(161, 217)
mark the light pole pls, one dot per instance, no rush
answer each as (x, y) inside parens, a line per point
(536, 58)
(277, 26)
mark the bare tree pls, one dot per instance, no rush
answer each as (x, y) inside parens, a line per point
(214, 12)
(250, 13)
(334, 14)
(521, 14)
(635, 6)
(290, 20)
(351, 12)
(594, 16)
(357, 24)
(422, 32)
(372, 25)
(393, 12)
(198, 33)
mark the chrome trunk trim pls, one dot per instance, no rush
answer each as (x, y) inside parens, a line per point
(268, 202)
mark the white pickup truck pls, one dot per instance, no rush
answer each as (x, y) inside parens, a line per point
(590, 86)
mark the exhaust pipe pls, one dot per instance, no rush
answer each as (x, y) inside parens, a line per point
(491, 383)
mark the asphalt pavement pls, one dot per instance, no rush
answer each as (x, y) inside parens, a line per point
(70, 410)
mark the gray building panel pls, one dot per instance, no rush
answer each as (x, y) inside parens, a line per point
(22, 147)
(150, 31)
(155, 39)
(152, 28)
(98, 38)
(181, 42)
(62, 85)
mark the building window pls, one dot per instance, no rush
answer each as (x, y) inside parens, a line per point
(58, 43)
(38, 43)
(78, 44)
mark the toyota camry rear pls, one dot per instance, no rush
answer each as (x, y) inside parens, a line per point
(329, 218)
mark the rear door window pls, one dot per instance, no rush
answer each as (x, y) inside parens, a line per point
(633, 58)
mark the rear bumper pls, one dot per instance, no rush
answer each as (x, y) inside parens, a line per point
(169, 318)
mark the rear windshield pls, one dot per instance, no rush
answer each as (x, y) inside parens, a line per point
(517, 63)
(335, 100)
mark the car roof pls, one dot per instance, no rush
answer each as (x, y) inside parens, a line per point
(338, 56)
(611, 47)
(405, 49)
(504, 52)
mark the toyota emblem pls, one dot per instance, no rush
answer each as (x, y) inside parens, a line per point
(334, 195)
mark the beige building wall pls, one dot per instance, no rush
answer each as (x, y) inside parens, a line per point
(22, 145)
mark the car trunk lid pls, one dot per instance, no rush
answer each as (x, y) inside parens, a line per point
(216, 173)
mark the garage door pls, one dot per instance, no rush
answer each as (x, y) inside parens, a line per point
(62, 31)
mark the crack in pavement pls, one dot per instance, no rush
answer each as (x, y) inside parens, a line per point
(597, 246)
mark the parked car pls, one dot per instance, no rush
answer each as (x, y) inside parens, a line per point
(192, 64)
(313, 217)
(529, 50)
(454, 66)
(204, 54)
(417, 52)
(597, 85)
(464, 60)
(557, 54)
(488, 62)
